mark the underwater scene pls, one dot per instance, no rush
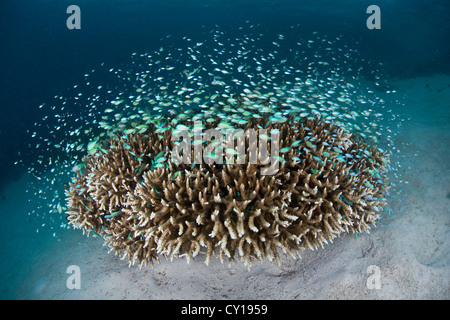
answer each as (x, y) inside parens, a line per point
(225, 150)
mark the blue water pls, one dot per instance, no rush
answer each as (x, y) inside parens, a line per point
(41, 58)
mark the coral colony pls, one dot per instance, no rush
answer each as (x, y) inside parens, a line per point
(143, 201)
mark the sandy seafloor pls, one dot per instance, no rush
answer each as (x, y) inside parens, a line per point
(411, 246)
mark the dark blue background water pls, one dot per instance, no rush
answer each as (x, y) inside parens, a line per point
(41, 58)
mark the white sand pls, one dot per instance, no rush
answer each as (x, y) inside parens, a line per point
(410, 247)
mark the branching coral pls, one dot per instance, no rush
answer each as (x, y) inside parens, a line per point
(145, 204)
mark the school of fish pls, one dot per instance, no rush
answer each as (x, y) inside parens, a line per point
(279, 76)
